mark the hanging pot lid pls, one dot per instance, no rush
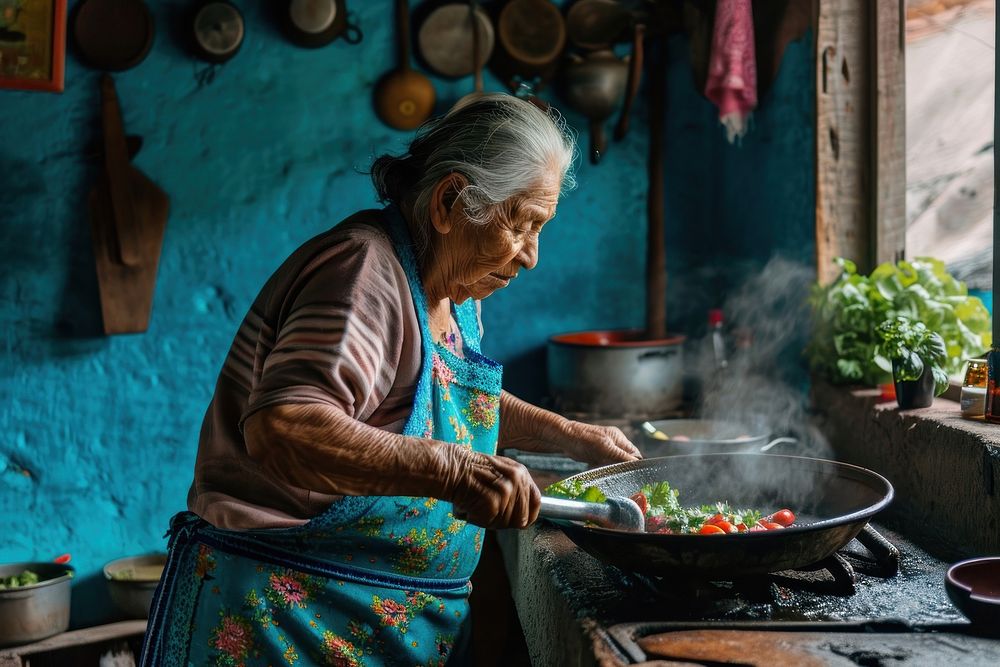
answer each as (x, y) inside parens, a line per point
(445, 39)
(218, 31)
(113, 35)
(316, 23)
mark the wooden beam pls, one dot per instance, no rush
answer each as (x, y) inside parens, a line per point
(842, 135)
(887, 28)
(860, 133)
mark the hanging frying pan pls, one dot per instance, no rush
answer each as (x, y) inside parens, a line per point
(404, 97)
(445, 39)
(113, 35)
(217, 31)
(315, 23)
(832, 502)
(531, 35)
(596, 24)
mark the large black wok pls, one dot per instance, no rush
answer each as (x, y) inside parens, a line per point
(832, 502)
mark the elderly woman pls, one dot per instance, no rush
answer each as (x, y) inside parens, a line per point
(347, 461)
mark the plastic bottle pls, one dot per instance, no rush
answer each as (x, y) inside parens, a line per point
(715, 325)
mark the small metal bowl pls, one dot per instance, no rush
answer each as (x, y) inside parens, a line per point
(974, 587)
(31, 613)
(132, 583)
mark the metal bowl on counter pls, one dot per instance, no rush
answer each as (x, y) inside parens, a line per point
(35, 611)
(132, 582)
(666, 437)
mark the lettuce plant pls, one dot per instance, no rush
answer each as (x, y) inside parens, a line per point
(848, 311)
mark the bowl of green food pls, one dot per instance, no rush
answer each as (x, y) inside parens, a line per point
(132, 582)
(34, 601)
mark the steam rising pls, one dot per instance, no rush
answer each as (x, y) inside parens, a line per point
(765, 386)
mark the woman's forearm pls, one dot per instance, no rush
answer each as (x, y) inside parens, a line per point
(317, 447)
(529, 427)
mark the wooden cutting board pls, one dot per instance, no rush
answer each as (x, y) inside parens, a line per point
(128, 216)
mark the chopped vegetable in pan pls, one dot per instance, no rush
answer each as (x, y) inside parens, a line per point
(665, 514)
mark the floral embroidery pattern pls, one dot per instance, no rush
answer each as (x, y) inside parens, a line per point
(396, 614)
(233, 638)
(287, 588)
(205, 562)
(370, 526)
(418, 549)
(482, 409)
(462, 434)
(339, 652)
(443, 374)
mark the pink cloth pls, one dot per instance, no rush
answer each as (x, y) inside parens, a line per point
(732, 66)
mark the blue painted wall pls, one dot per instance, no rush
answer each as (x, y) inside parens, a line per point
(99, 434)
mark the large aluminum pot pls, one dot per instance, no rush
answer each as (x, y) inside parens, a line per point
(617, 374)
(31, 613)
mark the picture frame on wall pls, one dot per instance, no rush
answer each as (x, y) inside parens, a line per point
(32, 44)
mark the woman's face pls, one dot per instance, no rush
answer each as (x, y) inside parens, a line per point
(476, 260)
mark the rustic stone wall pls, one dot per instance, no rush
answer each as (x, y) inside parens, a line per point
(945, 469)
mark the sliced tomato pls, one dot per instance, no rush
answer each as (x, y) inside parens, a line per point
(757, 527)
(784, 517)
(640, 500)
(716, 518)
(725, 526)
(711, 529)
(741, 527)
(770, 525)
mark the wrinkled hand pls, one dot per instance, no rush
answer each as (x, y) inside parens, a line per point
(597, 444)
(493, 491)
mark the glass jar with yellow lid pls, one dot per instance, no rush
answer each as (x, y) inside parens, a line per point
(973, 399)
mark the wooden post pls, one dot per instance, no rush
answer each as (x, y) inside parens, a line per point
(887, 32)
(860, 133)
(842, 133)
(656, 261)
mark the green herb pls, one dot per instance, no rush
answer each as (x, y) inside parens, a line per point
(26, 578)
(663, 503)
(847, 312)
(575, 490)
(905, 348)
(661, 498)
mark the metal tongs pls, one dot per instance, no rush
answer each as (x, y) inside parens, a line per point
(617, 513)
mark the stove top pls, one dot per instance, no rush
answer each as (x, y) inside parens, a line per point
(868, 579)
(880, 591)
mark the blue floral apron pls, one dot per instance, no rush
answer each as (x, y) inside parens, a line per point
(374, 580)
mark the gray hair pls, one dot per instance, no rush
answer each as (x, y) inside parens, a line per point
(501, 144)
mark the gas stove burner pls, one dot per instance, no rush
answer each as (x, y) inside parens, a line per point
(870, 554)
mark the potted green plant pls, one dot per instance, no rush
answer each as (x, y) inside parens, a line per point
(847, 312)
(916, 357)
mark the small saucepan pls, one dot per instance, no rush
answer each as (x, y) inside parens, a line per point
(666, 437)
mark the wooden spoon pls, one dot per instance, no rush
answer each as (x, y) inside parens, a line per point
(404, 98)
